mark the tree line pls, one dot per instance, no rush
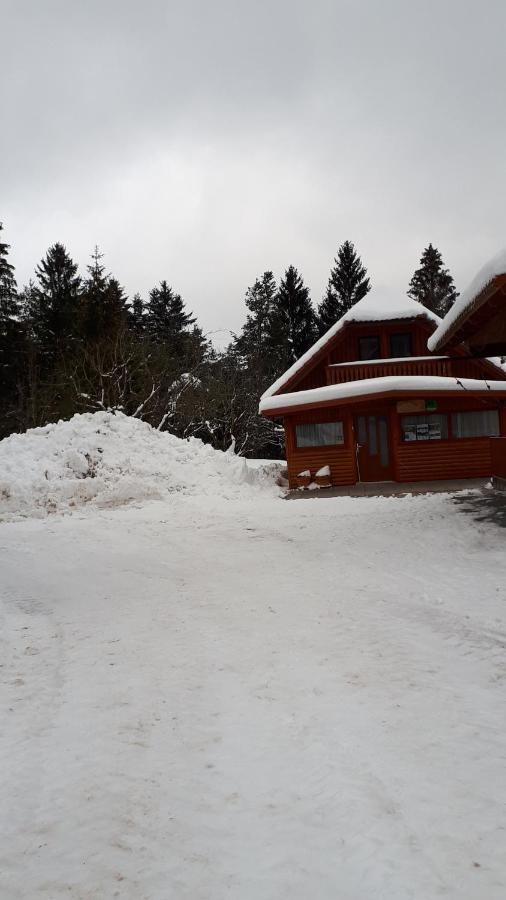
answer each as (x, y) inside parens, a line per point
(72, 342)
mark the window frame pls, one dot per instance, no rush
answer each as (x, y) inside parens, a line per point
(368, 337)
(398, 334)
(340, 444)
(451, 432)
(427, 415)
(476, 437)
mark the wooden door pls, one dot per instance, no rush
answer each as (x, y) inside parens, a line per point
(374, 459)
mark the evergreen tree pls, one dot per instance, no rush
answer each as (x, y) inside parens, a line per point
(431, 284)
(136, 314)
(94, 298)
(115, 307)
(52, 304)
(348, 283)
(8, 289)
(166, 318)
(253, 342)
(10, 342)
(292, 323)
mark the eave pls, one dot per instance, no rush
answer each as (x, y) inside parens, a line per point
(322, 398)
(481, 325)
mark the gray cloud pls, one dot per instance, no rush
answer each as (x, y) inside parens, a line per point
(205, 142)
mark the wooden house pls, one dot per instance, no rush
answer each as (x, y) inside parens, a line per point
(370, 402)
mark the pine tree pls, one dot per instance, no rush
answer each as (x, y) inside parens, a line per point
(136, 314)
(431, 284)
(252, 343)
(8, 289)
(116, 308)
(52, 304)
(348, 283)
(292, 323)
(10, 342)
(166, 318)
(94, 298)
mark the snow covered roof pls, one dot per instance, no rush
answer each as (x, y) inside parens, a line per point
(412, 384)
(372, 308)
(463, 304)
(384, 362)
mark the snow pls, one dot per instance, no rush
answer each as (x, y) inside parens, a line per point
(494, 267)
(108, 459)
(387, 361)
(262, 463)
(391, 384)
(324, 471)
(252, 698)
(305, 474)
(372, 308)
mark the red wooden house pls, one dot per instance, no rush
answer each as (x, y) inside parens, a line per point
(372, 403)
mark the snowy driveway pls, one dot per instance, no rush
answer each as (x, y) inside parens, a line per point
(254, 699)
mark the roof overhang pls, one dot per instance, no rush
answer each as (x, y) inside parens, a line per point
(481, 324)
(322, 398)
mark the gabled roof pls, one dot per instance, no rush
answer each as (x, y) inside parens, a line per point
(488, 281)
(372, 308)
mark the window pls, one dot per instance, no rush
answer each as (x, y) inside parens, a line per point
(400, 345)
(484, 423)
(369, 347)
(319, 435)
(424, 428)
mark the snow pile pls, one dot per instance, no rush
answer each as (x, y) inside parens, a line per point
(111, 459)
(494, 267)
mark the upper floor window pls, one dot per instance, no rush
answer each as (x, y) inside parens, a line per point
(369, 347)
(400, 345)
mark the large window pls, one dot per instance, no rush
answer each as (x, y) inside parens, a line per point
(320, 434)
(424, 428)
(369, 347)
(400, 345)
(484, 423)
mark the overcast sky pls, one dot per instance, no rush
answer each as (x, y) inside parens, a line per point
(205, 141)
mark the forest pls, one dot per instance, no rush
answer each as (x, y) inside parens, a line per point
(72, 341)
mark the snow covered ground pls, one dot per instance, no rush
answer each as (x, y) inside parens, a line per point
(209, 696)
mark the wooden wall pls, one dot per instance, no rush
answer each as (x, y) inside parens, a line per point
(346, 348)
(498, 456)
(418, 461)
(340, 458)
(435, 460)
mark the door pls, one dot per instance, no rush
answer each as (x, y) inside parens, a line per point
(373, 450)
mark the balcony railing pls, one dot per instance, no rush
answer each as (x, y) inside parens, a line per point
(413, 365)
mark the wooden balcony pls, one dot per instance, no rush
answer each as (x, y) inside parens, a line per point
(413, 365)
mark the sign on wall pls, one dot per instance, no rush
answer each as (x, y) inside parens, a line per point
(416, 405)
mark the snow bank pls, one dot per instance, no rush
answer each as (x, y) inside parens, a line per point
(111, 459)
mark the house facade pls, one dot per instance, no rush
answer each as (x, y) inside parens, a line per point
(370, 403)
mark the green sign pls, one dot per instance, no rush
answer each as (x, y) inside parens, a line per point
(430, 405)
